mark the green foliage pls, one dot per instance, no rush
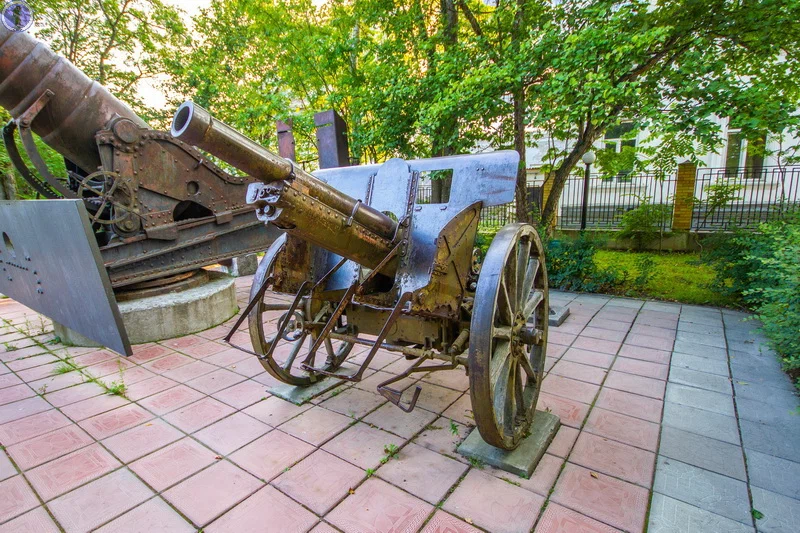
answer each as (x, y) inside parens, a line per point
(762, 270)
(571, 266)
(645, 268)
(454, 428)
(643, 224)
(613, 164)
(718, 195)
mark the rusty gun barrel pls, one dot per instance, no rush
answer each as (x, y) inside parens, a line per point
(78, 108)
(293, 199)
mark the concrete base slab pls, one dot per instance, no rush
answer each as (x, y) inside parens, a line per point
(245, 265)
(167, 316)
(301, 395)
(524, 459)
(558, 314)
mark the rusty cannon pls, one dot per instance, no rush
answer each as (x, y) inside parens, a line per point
(366, 264)
(132, 211)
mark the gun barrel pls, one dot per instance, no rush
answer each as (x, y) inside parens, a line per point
(79, 108)
(298, 202)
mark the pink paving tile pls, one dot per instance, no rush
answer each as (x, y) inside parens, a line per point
(362, 445)
(652, 388)
(147, 352)
(319, 481)
(39, 450)
(556, 350)
(426, 474)
(563, 441)
(603, 498)
(229, 357)
(644, 354)
(641, 368)
(322, 527)
(153, 516)
(215, 381)
(100, 501)
(64, 474)
(435, 398)
(621, 428)
(7, 469)
(443, 436)
(169, 400)
(275, 411)
(115, 421)
(249, 367)
(188, 372)
(93, 358)
(183, 342)
(30, 362)
(203, 349)
(32, 426)
(131, 376)
(16, 497)
(570, 412)
(15, 393)
(660, 322)
(74, 394)
(596, 345)
(271, 454)
(37, 521)
(39, 372)
(169, 362)
(243, 394)
(559, 519)
(447, 523)
(631, 404)
(647, 341)
(572, 389)
(22, 409)
(614, 458)
(169, 465)
(198, 414)
(379, 507)
(148, 387)
(107, 368)
(542, 479)
(231, 433)
(316, 425)
(653, 331)
(456, 379)
(494, 504)
(266, 511)
(93, 406)
(590, 374)
(208, 494)
(9, 379)
(395, 420)
(601, 360)
(141, 440)
(604, 334)
(557, 337)
(57, 382)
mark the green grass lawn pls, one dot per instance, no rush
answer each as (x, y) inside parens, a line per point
(679, 277)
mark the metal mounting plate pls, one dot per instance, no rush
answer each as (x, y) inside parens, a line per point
(51, 263)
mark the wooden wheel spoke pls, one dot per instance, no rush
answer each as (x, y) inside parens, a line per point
(510, 283)
(499, 363)
(530, 276)
(518, 390)
(526, 365)
(295, 350)
(534, 300)
(329, 347)
(523, 256)
(510, 401)
(504, 305)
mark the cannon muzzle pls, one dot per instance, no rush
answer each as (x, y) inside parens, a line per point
(293, 199)
(78, 108)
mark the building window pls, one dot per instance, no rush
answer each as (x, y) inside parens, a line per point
(620, 136)
(753, 152)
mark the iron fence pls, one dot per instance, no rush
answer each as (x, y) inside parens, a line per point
(493, 216)
(743, 197)
(610, 198)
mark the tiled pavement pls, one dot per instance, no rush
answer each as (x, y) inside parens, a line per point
(655, 435)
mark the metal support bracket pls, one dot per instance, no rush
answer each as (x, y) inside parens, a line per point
(394, 395)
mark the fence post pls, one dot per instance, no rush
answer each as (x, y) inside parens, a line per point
(547, 188)
(683, 204)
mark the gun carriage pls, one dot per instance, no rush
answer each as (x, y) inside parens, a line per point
(365, 264)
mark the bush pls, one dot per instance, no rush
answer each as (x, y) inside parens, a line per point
(763, 271)
(571, 266)
(644, 223)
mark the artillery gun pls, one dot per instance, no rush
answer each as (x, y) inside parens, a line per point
(365, 264)
(133, 211)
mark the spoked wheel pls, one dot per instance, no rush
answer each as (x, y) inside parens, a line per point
(508, 336)
(284, 363)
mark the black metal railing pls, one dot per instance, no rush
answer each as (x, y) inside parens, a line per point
(610, 198)
(493, 216)
(744, 197)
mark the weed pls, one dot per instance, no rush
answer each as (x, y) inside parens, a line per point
(43, 389)
(511, 481)
(63, 368)
(390, 450)
(758, 515)
(55, 340)
(117, 388)
(454, 428)
(477, 463)
(432, 427)
(370, 471)
(10, 347)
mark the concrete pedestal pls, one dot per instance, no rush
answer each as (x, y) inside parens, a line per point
(558, 314)
(301, 395)
(524, 459)
(245, 265)
(167, 316)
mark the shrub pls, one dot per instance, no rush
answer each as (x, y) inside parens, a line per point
(643, 224)
(571, 266)
(763, 271)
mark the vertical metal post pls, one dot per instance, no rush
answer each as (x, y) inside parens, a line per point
(585, 202)
(332, 140)
(286, 147)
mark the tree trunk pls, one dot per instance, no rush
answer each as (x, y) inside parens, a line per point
(8, 186)
(442, 144)
(521, 196)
